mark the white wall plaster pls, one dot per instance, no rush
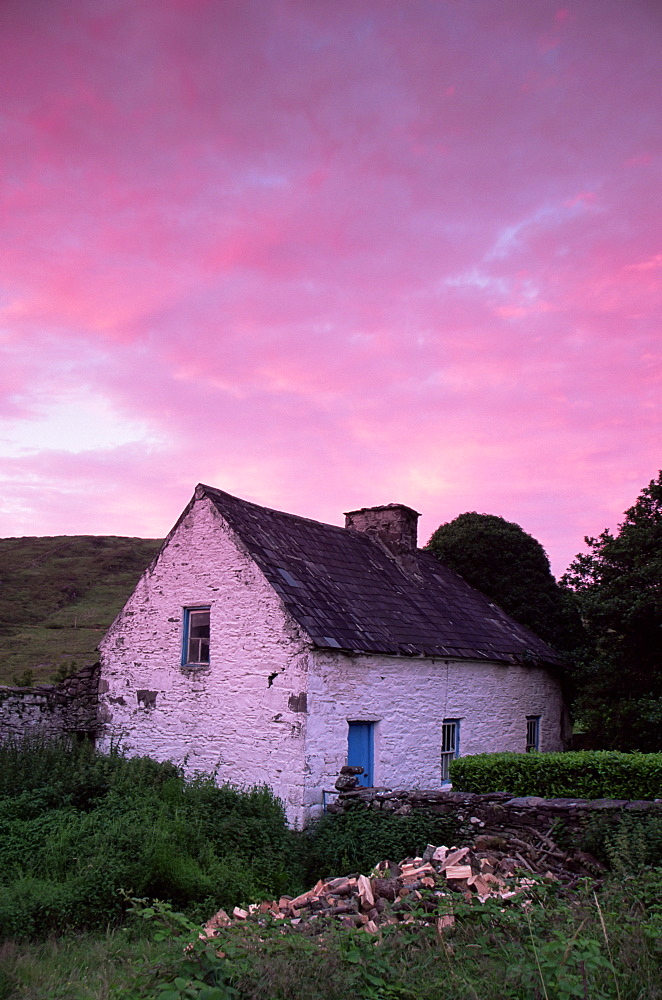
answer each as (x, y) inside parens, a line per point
(227, 716)
(408, 699)
(237, 716)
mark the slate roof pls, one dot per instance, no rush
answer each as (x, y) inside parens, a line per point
(348, 593)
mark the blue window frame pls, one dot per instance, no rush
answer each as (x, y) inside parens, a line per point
(195, 647)
(532, 733)
(450, 745)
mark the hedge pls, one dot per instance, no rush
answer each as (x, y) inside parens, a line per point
(588, 774)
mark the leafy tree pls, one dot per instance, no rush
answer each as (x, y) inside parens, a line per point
(618, 585)
(511, 567)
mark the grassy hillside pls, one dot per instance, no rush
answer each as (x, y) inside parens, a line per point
(57, 598)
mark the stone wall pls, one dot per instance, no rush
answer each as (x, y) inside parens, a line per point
(495, 812)
(52, 709)
(244, 714)
(407, 700)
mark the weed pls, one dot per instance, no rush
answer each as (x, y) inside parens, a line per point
(359, 838)
(77, 826)
(23, 680)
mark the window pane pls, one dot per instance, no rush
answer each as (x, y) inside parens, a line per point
(448, 737)
(449, 745)
(197, 639)
(199, 624)
(532, 733)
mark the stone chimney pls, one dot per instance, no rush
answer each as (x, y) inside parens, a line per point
(394, 525)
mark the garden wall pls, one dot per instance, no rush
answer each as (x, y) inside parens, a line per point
(495, 812)
(51, 709)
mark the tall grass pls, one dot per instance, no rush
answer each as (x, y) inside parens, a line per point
(77, 828)
(560, 947)
(80, 830)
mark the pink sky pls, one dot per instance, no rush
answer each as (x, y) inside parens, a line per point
(326, 254)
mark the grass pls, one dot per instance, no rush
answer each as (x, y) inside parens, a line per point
(561, 947)
(80, 967)
(57, 598)
(79, 830)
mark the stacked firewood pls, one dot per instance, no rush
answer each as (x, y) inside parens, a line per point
(418, 888)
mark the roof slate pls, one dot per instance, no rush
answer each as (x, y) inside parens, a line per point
(348, 592)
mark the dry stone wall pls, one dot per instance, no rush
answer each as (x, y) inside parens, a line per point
(495, 812)
(51, 709)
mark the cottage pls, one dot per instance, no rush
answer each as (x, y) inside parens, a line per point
(275, 649)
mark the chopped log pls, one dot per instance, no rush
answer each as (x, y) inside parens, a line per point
(454, 857)
(365, 892)
(458, 871)
(413, 891)
(334, 911)
(385, 888)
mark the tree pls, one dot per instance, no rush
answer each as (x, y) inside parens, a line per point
(618, 585)
(511, 567)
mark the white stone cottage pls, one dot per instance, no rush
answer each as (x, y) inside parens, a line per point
(274, 649)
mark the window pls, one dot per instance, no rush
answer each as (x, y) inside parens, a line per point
(195, 648)
(450, 745)
(532, 733)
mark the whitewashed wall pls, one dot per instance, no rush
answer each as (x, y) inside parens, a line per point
(235, 714)
(408, 699)
(246, 713)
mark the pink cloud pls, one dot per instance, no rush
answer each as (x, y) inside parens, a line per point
(333, 254)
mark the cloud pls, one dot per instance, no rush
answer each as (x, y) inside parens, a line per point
(310, 252)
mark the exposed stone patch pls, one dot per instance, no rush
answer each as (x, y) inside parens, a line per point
(145, 698)
(298, 702)
(52, 709)
(495, 813)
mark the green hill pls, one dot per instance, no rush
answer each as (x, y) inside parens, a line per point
(57, 598)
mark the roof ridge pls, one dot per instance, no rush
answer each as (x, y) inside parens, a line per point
(347, 591)
(282, 513)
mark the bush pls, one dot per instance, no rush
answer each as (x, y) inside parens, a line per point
(357, 840)
(625, 843)
(581, 774)
(78, 828)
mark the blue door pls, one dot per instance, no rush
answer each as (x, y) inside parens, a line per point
(360, 749)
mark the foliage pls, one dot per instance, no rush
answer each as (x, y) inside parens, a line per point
(59, 596)
(553, 945)
(625, 843)
(556, 946)
(76, 827)
(581, 774)
(618, 586)
(511, 567)
(357, 840)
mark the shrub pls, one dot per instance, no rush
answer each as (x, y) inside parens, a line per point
(78, 827)
(360, 838)
(586, 774)
(625, 843)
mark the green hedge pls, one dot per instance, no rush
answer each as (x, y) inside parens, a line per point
(589, 774)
